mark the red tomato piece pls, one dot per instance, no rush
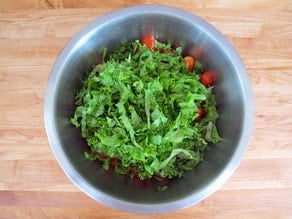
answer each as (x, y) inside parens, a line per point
(190, 62)
(207, 78)
(202, 113)
(115, 162)
(133, 171)
(149, 41)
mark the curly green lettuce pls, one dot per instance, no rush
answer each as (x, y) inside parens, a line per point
(139, 108)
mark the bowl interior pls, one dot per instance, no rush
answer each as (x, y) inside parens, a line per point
(197, 38)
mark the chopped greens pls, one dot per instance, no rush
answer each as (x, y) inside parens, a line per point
(139, 109)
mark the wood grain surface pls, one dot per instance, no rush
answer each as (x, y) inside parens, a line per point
(32, 34)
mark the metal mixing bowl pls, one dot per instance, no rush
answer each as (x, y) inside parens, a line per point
(197, 38)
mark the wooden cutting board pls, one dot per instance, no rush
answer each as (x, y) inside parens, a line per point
(32, 33)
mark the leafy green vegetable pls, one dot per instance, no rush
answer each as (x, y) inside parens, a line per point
(140, 107)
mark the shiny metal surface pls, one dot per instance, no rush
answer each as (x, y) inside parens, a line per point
(198, 38)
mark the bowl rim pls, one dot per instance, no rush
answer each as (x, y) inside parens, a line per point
(149, 208)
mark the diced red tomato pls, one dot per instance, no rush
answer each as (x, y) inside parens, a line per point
(115, 162)
(202, 113)
(207, 78)
(133, 171)
(149, 41)
(190, 62)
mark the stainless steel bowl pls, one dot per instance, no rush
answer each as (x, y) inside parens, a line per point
(196, 37)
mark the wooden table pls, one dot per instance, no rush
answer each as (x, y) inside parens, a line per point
(32, 33)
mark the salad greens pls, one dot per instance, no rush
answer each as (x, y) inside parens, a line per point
(139, 109)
